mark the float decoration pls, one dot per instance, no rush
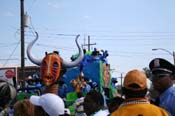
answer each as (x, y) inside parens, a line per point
(79, 84)
(52, 65)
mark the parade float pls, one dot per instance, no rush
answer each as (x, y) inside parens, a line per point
(87, 70)
(94, 70)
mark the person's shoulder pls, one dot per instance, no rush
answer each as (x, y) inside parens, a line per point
(172, 91)
(158, 109)
(146, 109)
(118, 111)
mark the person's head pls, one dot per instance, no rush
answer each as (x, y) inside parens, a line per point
(114, 103)
(23, 108)
(52, 104)
(162, 74)
(7, 93)
(135, 84)
(93, 102)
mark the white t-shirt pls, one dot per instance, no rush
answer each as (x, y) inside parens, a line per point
(102, 113)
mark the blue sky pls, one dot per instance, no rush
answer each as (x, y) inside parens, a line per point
(128, 29)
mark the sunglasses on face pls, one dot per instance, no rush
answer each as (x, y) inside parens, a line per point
(158, 76)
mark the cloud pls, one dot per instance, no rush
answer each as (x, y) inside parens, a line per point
(53, 5)
(8, 14)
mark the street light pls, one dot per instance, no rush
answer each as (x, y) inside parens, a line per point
(171, 53)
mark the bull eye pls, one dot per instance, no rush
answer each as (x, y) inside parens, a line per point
(55, 64)
(44, 63)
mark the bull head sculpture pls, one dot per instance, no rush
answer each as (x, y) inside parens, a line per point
(52, 64)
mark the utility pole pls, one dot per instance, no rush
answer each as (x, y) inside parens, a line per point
(89, 43)
(22, 45)
(174, 57)
(121, 84)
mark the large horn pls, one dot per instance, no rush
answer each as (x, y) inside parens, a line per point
(78, 60)
(29, 54)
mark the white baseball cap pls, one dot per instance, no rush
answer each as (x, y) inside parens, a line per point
(52, 104)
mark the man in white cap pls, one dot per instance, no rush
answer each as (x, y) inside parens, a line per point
(52, 104)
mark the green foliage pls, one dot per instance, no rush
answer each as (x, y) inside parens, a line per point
(147, 72)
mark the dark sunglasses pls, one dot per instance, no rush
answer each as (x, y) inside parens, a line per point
(158, 76)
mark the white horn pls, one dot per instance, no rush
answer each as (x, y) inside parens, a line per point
(29, 53)
(78, 60)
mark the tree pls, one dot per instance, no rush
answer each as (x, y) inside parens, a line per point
(147, 72)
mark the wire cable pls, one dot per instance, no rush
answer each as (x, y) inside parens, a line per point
(11, 54)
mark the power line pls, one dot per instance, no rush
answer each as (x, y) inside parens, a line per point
(109, 37)
(9, 59)
(89, 43)
(31, 6)
(11, 55)
(8, 44)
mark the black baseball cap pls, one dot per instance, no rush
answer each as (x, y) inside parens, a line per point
(161, 66)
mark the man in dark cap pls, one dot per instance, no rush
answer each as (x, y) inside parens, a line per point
(162, 80)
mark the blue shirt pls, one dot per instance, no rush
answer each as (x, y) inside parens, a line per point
(167, 100)
(87, 88)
